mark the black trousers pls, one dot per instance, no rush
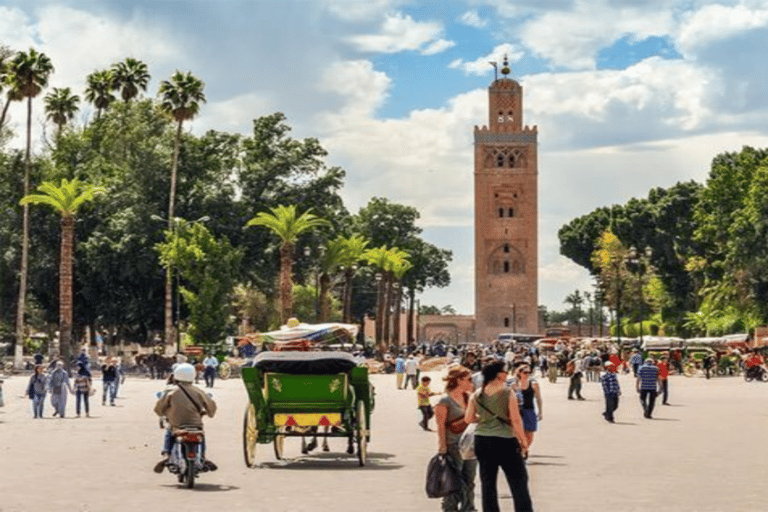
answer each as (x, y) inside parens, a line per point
(648, 399)
(664, 390)
(502, 452)
(210, 375)
(611, 404)
(575, 387)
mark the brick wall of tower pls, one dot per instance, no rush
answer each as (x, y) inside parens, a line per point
(506, 218)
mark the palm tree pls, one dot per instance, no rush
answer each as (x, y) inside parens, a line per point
(399, 269)
(6, 82)
(61, 106)
(99, 90)
(180, 97)
(66, 200)
(129, 77)
(385, 259)
(28, 72)
(283, 221)
(354, 248)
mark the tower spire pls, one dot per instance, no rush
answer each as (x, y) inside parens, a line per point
(506, 69)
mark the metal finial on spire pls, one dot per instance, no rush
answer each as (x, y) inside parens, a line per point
(506, 70)
(495, 69)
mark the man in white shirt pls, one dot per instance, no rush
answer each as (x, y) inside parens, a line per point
(210, 363)
(411, 372)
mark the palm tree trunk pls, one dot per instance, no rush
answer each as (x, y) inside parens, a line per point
(168, 334)
(65, 285)
(21, 307)
(387, 306)
(5, 111)
(286, 283)
(380, 311)
(325, 303)
(396, 321)
(409, 320)
(347, 317)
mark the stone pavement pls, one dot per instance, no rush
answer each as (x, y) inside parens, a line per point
(706, 452)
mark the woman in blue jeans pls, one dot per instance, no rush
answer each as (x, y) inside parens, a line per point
(500, 440)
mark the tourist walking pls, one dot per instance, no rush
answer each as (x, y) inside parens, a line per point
(82, 385)
(500, 439)
(663, 366)
(411, 372)
(36, 390)
(119, 376)
(574, 370)
(611, 390)
(58, 383)
(552, 369)
(450, 417)
(210, 364)
(422, 401)
(528, 390)
(399, 371)
(635, 361)
(647, 381)
(108, 378)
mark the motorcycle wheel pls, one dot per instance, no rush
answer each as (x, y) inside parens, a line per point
(190, 478)
(764, 377)
(748, 376)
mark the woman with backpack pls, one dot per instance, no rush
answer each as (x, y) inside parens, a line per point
(500, 440)
(36, 390)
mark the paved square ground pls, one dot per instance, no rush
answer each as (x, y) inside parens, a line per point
(705, 452)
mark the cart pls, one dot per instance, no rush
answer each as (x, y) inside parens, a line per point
(294, 393)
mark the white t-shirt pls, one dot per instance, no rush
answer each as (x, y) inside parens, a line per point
(411, 366)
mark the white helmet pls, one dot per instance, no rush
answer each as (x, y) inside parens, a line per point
(185, 372)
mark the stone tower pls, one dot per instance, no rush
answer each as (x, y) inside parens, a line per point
(506, 216)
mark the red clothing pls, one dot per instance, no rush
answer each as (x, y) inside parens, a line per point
(663, 371)
(755, 360)
(615, 360)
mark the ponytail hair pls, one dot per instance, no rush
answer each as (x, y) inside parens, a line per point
(490, 371)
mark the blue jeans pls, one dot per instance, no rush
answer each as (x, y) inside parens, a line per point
(38, 401)
(209, 375)
(109, 388)
(81, 395)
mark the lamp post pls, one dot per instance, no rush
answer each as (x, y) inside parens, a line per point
(379, 304)
(349, 274)
(396, 316)
(639, 264)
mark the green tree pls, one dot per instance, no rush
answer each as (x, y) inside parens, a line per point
(284, 222)
(99, 90)
(61, 106)
(129, 77)
(208, 267)
(430, 269)
(28, 73)
(6, 83)
(66, 200)
(180, 97)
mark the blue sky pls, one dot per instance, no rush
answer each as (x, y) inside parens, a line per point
(627, 95)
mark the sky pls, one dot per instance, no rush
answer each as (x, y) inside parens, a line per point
(627, 95)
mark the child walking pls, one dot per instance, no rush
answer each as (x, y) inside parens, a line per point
(423, 393)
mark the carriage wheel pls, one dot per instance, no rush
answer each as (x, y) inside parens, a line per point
(279, 443)
(225, 370)
(362, 433)
(250, 436)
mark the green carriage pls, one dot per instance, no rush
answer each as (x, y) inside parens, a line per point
(296, 393)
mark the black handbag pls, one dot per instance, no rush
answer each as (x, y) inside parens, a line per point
(442, 478)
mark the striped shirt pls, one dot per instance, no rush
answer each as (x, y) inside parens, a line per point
(648, 374)
(610, 384)
(636, 359)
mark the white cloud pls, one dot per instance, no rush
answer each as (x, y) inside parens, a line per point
(717, 22)
(481, 65)
(234, 114)
(473, 19)
(353, 10)
(572, 39)
(399, 33)
(438, 46)
(363, 88)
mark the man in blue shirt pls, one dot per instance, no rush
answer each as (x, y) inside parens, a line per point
(647, 382)
(400, 371)
(635, 361)
(611, 390)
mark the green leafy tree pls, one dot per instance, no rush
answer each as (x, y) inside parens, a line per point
(28, 72)
(180, 97)
(66, 200)
(208, 267)
(61, 106)
(99, 90)
(284, 222)
(129, 77)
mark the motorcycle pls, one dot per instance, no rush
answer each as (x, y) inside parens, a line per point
(756, 373)
(186, 459)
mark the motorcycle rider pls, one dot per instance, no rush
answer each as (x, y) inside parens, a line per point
(184, 406)
(754, 363)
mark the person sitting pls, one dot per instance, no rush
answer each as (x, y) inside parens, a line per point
(184, 407)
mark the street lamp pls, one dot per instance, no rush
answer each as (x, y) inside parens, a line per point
(639, 264)
(321, 253)
(378, 277)
(396, 318)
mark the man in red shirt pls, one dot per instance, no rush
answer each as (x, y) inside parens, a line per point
(754, 363)
(663, 366)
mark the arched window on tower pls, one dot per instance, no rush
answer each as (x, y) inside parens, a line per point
(501, 117)
(510, 116)
(501, 212)
(499, 160)
(506, 321)
(506, 247)
(506, 267)
(511, 212)
(512, 161)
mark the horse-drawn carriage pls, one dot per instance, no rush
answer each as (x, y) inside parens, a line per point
(293, 393)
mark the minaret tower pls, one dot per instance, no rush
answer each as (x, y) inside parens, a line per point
(506, 216)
